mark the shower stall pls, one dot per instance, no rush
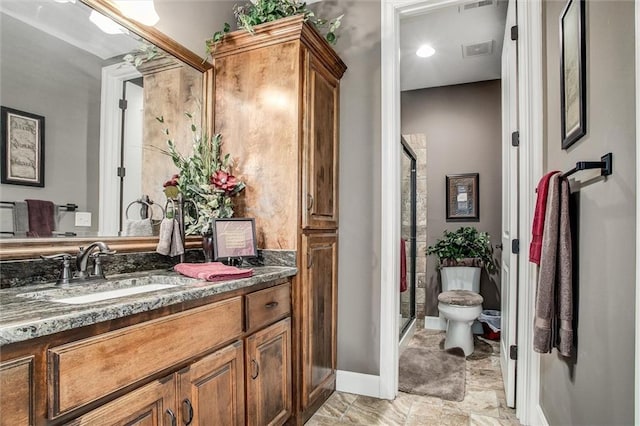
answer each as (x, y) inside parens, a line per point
(408, 236)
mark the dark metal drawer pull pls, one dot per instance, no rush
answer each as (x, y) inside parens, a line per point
(271, 305)
(187, 408)
(172, 417)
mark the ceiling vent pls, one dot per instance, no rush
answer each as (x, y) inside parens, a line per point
(475, 5)
(477, 49)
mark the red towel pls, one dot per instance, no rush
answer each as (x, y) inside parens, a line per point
(41, 218)
(212, 271)
(535, 248)
(403, 265)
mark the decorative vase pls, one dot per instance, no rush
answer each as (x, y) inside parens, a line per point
(207, 247)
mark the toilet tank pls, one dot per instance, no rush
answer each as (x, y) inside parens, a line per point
(460, 278)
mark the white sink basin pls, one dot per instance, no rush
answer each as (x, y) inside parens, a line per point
(112, 294)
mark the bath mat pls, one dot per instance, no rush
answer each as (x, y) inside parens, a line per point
(433, 372)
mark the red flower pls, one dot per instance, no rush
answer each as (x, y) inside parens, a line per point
(223, 180)
(171, 182)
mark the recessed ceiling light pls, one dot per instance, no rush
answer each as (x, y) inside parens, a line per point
(425, 51)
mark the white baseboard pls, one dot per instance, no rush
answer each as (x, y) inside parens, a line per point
(435, 323)
(542, 419)
(358, 383)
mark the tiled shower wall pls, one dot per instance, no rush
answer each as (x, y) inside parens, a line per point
(418, 143)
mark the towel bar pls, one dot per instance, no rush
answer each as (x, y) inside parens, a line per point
(605, 165)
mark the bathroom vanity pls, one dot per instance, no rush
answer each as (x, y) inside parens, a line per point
(194, 353)
(255, 351)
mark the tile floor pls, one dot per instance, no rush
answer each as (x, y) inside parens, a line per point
(483, 404)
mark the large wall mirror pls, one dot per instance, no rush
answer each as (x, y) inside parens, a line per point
(78, 64)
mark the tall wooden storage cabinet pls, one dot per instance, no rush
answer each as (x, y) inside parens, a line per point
(277, 108)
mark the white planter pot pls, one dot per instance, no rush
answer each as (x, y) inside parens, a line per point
(460, 278)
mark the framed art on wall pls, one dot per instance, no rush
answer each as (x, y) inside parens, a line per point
(463, 197)
(22, 147)
(573, 107)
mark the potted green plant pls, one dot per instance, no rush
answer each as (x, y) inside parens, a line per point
(461, 255)
(262, 11)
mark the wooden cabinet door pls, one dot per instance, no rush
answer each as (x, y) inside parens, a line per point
(320, 164)
(211, 391)
(17, 387)
(319, 315)
(268, 372)
(150, 405)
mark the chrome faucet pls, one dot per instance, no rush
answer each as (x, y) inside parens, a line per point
(82, 259)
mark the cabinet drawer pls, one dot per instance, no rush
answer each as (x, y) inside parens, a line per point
(86, 370)
(267, 306)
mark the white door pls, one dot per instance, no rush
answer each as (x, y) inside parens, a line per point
(132, 150)
(509, 263)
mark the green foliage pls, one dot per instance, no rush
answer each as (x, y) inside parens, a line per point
(263, 11)
(144, 53)
(204, 199)
(464, 243)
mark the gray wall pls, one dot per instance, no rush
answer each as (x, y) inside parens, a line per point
(191, 22)
(597, 386)
(463, 132)
(61, 83)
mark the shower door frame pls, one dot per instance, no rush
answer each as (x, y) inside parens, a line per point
(412, 239)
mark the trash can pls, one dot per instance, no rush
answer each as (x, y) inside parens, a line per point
(490, 321)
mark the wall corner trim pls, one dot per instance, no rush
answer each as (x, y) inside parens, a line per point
(542, 419)
(358, 383)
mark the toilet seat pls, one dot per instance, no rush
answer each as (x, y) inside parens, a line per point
(460, 298)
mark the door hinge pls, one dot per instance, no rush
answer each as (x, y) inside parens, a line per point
(515, 138)
(121, 172)
(515, 246)
(513, 352)
(514, 33)
(122, 104)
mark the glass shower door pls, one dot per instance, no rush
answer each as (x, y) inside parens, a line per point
(408, 235)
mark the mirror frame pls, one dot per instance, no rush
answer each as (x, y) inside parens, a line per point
(23, 248)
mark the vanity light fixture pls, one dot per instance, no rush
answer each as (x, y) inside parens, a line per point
(143, 11)
(105, 24)
(425, 51)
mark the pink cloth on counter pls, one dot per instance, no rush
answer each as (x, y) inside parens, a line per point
(212, 271)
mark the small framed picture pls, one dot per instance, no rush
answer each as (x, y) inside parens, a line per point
(573, 104)
(463, 197)
(234, 238)
(22, 147)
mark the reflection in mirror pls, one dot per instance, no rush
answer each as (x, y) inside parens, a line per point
(100, 89)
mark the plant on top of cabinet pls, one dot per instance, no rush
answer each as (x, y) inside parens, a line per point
(263, 11)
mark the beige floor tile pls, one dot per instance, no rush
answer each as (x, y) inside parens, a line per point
(373, 411)
(337, 404)
(484, 379)
(318, 420)
(483, 402)
(453, 418)
(478, 420)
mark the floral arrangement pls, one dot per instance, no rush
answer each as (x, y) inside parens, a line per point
(204, 180)
(259, 12)
(464, 243)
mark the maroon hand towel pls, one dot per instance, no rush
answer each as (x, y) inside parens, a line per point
(535, 248)
(41, 218)
(212, 271)
(403, 265)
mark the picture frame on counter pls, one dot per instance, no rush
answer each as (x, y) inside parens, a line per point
(234, 238)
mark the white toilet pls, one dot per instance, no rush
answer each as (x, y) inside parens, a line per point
(460, 304)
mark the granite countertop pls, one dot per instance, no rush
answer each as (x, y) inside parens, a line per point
(27, 312)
